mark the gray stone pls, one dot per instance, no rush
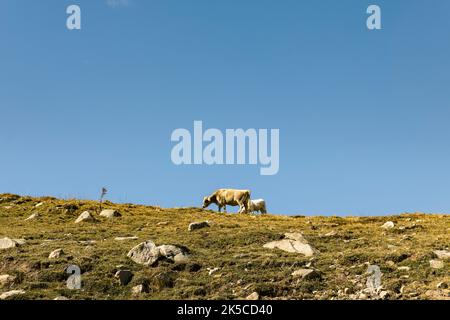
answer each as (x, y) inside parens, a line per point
(124, 276)
(6, 280)
(34, 216)
(7, 243)
(85, 217)
(294, 243)
(436, 264)
(198, 225)
(253, 296)
(10, 294)
(388, 225)
(140, 289)
(148, 254)
(307, 274)
(110, 213)
(442, 254)
(58, 253)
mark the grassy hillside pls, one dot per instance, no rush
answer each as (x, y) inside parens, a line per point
(233, 243)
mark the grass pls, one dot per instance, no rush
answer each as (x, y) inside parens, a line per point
(233, 243)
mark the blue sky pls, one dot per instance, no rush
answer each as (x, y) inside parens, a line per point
(363, 115)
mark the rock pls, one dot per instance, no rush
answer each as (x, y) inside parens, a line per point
(109, 213)
(85, 217)
(403, 268)
(40, 204)
(198, 225)
(125, 238)
(139, 289)
(6, 280)
(253, 296)
(148, 254)
(442, 285)
(10, 294)
(388, 225)
(436, 264)
(58, 253)
(62, 298)
(124, 276)
(442, 254)
(294, 243)
(7, 243)
(384, 295)
(306, 274)
(34, 216)
(212, 270)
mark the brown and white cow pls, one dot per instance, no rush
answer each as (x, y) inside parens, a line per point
(229, 197)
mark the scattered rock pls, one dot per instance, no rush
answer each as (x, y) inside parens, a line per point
(85, 217)
(442, 254)
(384, 295)
(10, 294)
(148, 254)
(125, 238)
(306, 274)
(34, 216)
(62, 298)
(388, 225)
(198, 225)
(6, 280)
(124, 276)
(403, 269)
(212, 270)
(253, 296)
(436, 264)
(139, 289)
(442, 285)
(40, 204)
(110, 213)
(7, 243)
(56, 254)
(294, 243)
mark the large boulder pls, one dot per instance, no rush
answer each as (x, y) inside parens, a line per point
(85, 217)
(110, 213)
(293, 243)
(148, 254)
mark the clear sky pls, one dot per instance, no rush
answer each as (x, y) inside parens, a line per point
(363, 115)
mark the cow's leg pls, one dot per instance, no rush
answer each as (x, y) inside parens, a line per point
(220, 207)
(225, 208)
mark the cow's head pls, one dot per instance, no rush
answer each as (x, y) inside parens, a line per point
(206, 202)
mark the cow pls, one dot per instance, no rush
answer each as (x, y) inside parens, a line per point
(258, 205)
(230, 197)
